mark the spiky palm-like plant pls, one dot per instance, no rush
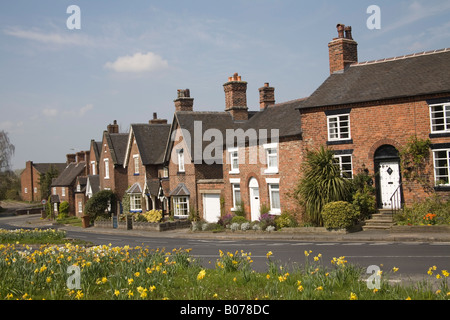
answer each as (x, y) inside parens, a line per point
(321, 183)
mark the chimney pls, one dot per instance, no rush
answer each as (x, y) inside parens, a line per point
(81, 156)
(184, 102)
(71, 158)
(266, 96)
(113, 128)
(343, 49)
(236, 97)
(155, 120)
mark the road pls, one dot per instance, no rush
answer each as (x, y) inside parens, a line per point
(412, 258)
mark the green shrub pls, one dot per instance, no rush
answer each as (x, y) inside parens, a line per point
(63, 210)
(321, 183)
(286, 220)
(99, 203)
(364, 202)
(240, 209)
(238, 219)
(339, 215)
(414, 214)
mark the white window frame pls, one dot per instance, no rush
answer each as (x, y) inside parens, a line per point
(181, 212)
(136, 164)
(267, 149)
(80, 207)
(338, 128)
(274, 187)
(55, 207)
(78, 188)
(339, 157)
(93, 168)
(165, 173)
(54, 191)
(235, 186)
(436, 168)
(233, 154)
(26, 190)
(106, 162)
(135, 202)
(271, 185)
(35, 189)
(180, 155)
(446, 124)
(63, 192)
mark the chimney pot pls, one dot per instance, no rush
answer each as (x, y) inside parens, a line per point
(266, 96)
(236, 97)
(340, 29)
(342, 51)
(184, 102)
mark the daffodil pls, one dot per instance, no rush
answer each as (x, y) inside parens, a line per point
(353, 296)
(201, 274)
(395, 269)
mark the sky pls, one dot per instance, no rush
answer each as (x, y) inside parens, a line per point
(61, 86)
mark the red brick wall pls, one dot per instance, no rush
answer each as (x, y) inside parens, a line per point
(373, 125)
(289, 157)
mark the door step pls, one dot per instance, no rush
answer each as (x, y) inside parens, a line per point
(383, 220)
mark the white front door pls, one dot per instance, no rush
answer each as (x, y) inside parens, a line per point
(389, 183)
(254, 199)
(211, 207)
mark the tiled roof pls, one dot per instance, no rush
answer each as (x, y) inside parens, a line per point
(117, 143)
(151, 141)
(70, 173)
(401, 77)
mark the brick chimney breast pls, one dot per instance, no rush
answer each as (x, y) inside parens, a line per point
(184, 102)
(266, 96)
(343, 51)
(155, 120)
(113, 128)
(236, 97)
(71, 158)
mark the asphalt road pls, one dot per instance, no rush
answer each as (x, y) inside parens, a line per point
(412, 258)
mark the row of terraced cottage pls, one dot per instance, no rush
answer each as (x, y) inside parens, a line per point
(211, 162)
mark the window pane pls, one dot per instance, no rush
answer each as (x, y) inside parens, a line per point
(275, 196)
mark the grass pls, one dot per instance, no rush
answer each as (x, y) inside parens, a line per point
(140, 273)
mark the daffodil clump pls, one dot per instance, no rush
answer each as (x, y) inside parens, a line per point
(141, 273)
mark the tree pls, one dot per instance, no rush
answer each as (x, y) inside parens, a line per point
(45, 181)
(321, 183)
(101, 204)
(7, 178)
(6, 151)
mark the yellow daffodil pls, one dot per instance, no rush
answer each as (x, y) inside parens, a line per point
(268, 254)
(116, 293)
(395, 269)
(201, 274)
(353, 296)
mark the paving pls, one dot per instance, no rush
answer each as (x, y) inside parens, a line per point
(34, 221)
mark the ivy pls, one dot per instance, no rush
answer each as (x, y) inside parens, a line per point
(414, 157)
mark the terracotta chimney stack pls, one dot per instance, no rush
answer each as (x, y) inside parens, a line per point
(343, 51)
(236, 97)
(266, 96)
(155, 120)
(113, 128)
(184, 102)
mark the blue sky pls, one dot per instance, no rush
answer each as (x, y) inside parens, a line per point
(60, 88)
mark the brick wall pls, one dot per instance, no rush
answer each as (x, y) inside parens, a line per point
(289, 157)
(373, 125)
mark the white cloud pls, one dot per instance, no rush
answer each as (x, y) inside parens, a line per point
(49, 38)
(85, 109)
(50, 112)
(139, 62)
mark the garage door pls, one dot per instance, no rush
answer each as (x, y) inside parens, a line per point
(211, 207)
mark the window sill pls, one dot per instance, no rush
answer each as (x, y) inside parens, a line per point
(337, 142)
(439, 135)
(442, 188)
(234, 172)
(275, 212)
(271, 171)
